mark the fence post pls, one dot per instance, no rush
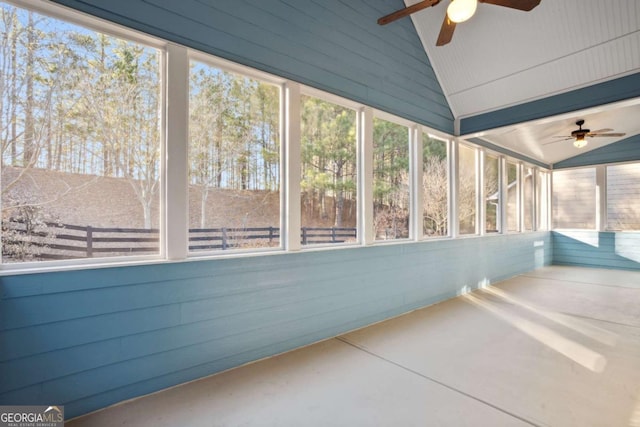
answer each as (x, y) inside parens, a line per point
(333, 234)
(270, 234)
(89, 241)
(224, 238)
(304, 235)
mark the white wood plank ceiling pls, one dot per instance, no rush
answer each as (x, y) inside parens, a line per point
(503, 57)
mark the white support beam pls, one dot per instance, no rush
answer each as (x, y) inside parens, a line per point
(454, 223)
(601, 198)
(291, 172)
(482, 206)
(175, 158)
(365, 176)
(550, 218)
(504, 195)
(519, 198)
(416, 182)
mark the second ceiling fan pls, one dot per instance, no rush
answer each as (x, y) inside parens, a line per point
(457, 12)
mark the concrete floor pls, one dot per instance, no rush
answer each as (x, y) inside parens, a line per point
(559, 346)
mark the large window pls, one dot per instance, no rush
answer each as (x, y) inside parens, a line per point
(623, 197)
(234, 161)
(329, 176)
(492, 193)
(467, 189)
(435, 187)
(574, 198)
(528, 186)
(391, 192)
(81, 141)
(513, 198)
(542, 204)
(116, 144)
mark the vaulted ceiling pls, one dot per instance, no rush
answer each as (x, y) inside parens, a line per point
(503, 57)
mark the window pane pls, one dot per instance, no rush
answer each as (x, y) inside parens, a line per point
(467, 190)
(234, 161)
(512, 197)
(527, 188)
(623, 197)
(543, 200)
(329, 179)
(390, 180)
(492, 193)
(574, 198)
(435, 185)
(80, 132)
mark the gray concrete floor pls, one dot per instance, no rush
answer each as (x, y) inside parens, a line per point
(559, 346)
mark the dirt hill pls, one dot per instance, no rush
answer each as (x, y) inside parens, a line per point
(83, 200)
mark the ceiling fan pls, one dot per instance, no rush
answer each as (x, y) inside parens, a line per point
(458, 11)
(580, 134)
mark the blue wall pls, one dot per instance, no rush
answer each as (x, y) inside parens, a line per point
(90, 338)
(334, 45)
(586, 248)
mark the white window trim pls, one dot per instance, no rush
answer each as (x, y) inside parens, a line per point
(365, 176)
(454, 183)
(292, 173)
(175, 195)
(356, 107)
(417, 178)
(72, 16)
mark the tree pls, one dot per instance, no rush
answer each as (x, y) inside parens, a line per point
(436, 196)
(391, 178)
(25, 231)
(328, 157)
(435, 183)
(124, 124)
(491, 192)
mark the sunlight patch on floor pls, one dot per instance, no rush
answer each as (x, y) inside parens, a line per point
(580, 354)
(591, 331)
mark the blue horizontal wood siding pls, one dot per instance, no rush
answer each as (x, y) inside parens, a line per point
(90, 338)
(627, 87)
(622, 151)
(588, 248)
(333, 45)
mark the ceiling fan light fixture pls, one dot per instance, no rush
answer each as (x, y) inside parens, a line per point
(580, 142)
(461, 10)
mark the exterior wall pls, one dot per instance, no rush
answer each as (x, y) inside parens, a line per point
(587, 248)
(333, 45)
(90, 338)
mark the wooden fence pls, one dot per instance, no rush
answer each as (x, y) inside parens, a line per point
(53, 241)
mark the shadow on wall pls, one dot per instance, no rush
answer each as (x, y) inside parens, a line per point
(605, 249)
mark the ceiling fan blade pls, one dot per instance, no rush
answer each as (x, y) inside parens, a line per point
(525, 5)
(559, 140)
(446, 31)
(600, 131)
(606, 134)
(407, 11)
